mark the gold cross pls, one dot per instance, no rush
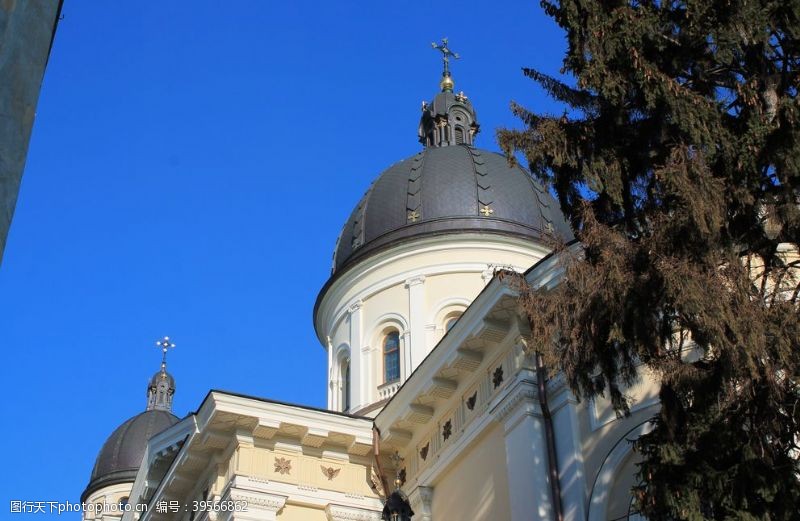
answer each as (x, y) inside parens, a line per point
(486, 211)
(413, 216)
(446, 54)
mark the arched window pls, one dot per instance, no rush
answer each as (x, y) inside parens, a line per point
(391, 356)
(459, 136)
(346, 387)
(450, 321)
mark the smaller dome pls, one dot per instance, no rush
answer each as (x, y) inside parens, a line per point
(121, 455)
(162, 375)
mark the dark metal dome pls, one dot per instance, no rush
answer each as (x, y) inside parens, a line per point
(448, 189)
(121, 455)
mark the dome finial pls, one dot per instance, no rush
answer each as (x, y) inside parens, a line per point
(447, 83)
(162, 385)
(450, 118)
(164, 344)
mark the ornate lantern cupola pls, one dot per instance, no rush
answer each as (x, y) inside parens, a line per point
(396, 507)
(449, 119)
(162, 384)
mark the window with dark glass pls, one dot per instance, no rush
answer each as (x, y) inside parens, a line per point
(391, 357)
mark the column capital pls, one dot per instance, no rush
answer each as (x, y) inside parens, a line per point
(415, 281)
(343, 513)
(421, 499)
(521, 398)
(355, 306)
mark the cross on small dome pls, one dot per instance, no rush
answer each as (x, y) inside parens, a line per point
(162, 385)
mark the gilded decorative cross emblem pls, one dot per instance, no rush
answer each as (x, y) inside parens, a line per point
(486, 211)
(446, 54)
(413, 215)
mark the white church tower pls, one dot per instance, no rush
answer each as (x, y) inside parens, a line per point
(436, 404)
(419, 247)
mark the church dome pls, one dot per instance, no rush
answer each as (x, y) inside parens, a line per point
(448, 188)
(159, 376)
(121, 455)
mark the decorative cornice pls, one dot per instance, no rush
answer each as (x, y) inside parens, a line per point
(260, 500)
(343, 513)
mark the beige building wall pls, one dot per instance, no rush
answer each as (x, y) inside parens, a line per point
(282, 464)
(476, 486)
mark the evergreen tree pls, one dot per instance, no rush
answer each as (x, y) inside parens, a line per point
(677, 163)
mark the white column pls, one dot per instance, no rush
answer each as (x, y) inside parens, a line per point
(369, 386)
(416, 319)
(421, 499)
(430, 337)
(526, 454)
(571, 474)
(332, 396)
(405, 353)
(358, 367)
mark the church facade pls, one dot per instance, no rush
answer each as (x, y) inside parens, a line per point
(433, 396)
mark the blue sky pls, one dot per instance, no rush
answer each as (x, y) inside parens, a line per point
(190, 168)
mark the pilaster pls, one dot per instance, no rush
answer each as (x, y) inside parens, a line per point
(405, 353)
(332, 395)
(416, 315)
(358, 366)
(430, 336)
(572, 476)
(526, 453)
